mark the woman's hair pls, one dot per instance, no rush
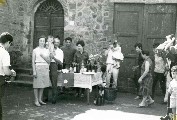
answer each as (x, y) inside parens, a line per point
(81, 42)
(5, 37)
(42, 36)
(139, 45)
(68, 38)
(145, 52)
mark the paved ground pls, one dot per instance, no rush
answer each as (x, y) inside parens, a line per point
(18, 105)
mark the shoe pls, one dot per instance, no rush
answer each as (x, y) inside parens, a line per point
(45, 100)
(54, 101)
(163, 103)
(150, 102)
(142, 105)
(37, 104)
(137, 97)
(42, 103)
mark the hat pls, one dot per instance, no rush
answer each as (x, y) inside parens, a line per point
(174, 68)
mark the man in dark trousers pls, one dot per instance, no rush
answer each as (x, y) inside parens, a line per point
(137, 68)
(56, 61)
(5, 41)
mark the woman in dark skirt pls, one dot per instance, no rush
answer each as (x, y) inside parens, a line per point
(146, 80)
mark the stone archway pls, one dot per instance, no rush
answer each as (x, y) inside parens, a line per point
(48, 20)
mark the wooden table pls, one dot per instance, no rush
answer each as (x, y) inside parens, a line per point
(81, 80)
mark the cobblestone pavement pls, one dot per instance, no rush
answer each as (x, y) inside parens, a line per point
(18, 105)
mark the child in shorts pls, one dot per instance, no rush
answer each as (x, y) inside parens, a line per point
(172, 90)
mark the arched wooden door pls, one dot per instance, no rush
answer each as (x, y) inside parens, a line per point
(49, 20)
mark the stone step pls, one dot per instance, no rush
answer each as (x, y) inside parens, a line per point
(21, 83)
(24, 71)
(24, 77)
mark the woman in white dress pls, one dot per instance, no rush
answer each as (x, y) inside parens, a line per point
(40, 63)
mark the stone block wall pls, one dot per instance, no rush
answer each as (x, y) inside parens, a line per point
(89, 20)
(92, 21)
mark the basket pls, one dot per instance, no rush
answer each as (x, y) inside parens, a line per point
(110, 94)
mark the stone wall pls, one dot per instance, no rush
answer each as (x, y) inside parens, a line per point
(90, 20)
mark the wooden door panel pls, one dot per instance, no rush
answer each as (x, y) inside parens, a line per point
(147, 24)
(160, 20)
(128, 22)
(57, 20)
(127, 45)
(58, 31)
(42, 19)
(49, 20)
(128, 25)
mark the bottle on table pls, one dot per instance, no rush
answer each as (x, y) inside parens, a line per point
(82, 67)
(77, 67)
(74, 67)
(70, 68)
(95, 66)
(89, 66)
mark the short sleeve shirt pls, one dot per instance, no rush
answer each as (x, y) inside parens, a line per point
(173, 88)
(4, 59)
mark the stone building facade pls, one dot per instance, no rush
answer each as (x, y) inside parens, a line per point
(90, 20)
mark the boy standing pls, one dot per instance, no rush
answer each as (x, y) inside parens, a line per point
(172, 91)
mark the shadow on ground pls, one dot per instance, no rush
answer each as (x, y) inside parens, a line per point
(18, 105)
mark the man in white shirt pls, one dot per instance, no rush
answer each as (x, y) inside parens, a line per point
(5, 41)
(56, 63)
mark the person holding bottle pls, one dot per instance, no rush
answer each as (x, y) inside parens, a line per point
(81, 56)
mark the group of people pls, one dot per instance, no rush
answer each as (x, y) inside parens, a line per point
(48, 60)
(162, 67)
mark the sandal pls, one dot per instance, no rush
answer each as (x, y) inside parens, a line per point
(42, 103)
(150, 103)
(37, 104)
